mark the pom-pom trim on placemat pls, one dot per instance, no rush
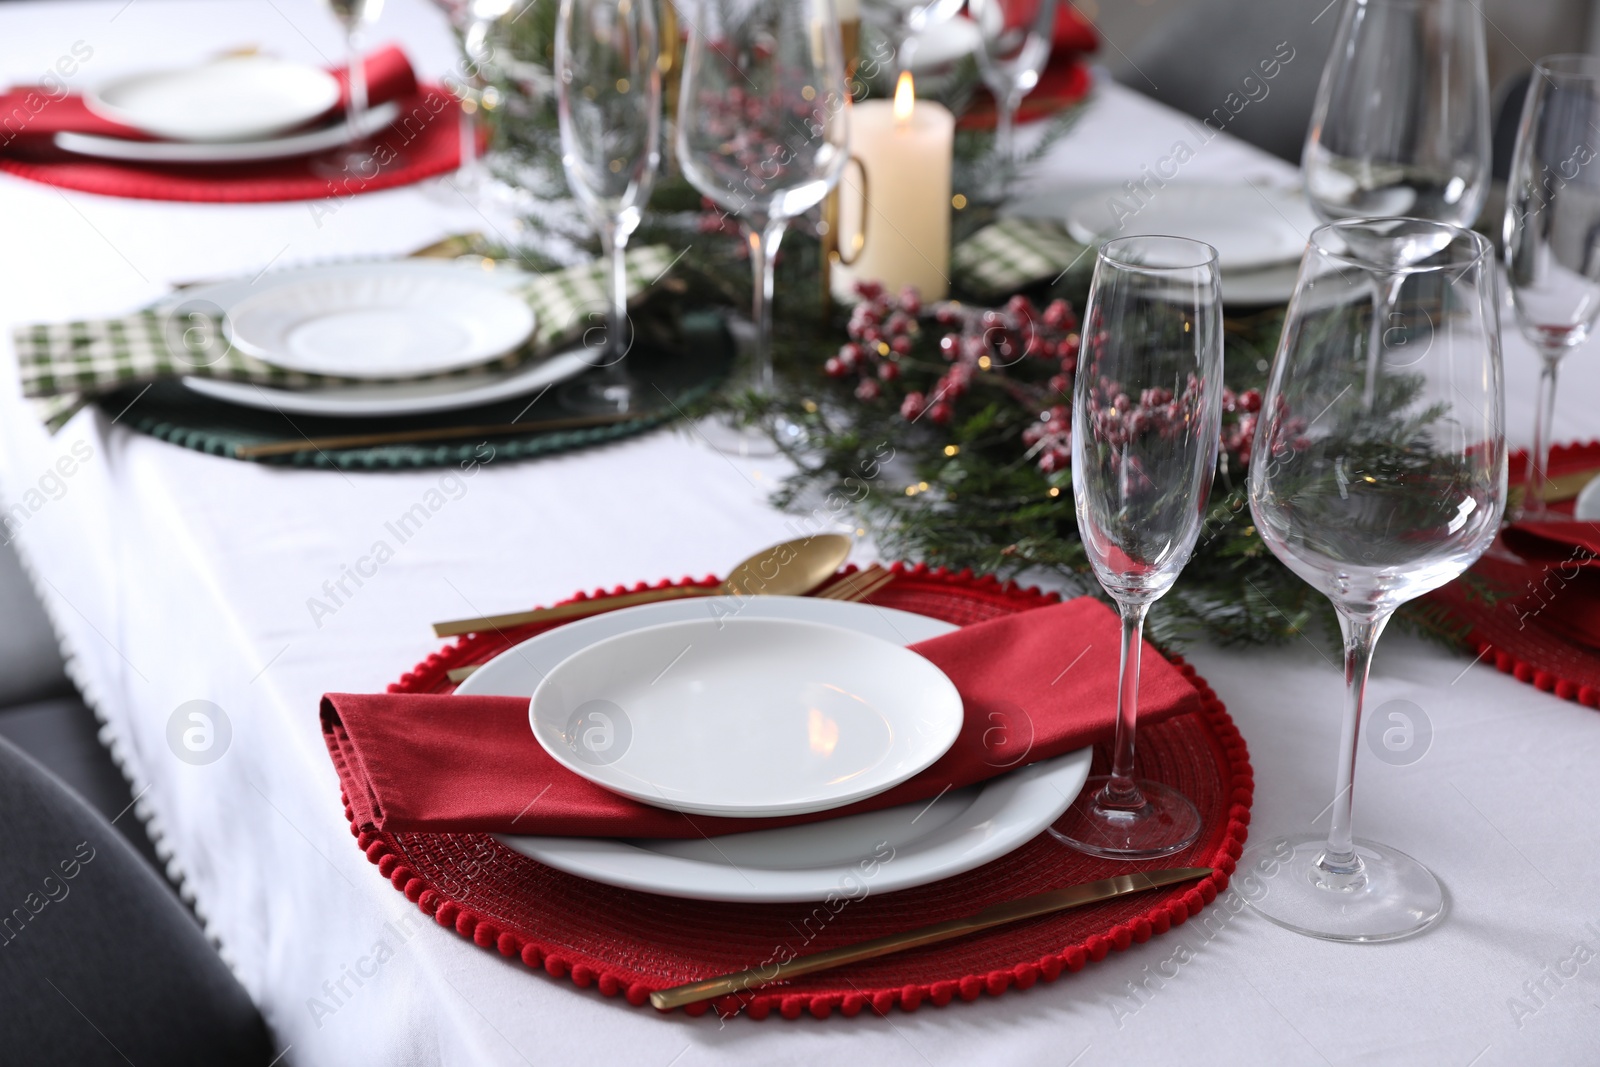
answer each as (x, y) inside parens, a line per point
(398, 856)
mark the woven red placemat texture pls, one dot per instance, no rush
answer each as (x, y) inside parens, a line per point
(1511, 633)
(426, 138)
(629, 943)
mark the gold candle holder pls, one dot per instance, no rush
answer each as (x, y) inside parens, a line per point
(850, 42)
(669, 62)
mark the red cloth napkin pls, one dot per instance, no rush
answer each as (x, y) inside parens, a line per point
(1035, 684)
(1063, 82)
(35, 117)
(1558, 586)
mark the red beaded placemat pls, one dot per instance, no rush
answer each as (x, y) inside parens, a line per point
(630, 943)
(426, 140)
(1516, 640)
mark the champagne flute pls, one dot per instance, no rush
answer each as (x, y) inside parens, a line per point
(764, 127)
(1146, 428)
(1375, 502)
(1401, 121)
(1552, 232)
(608, 105)
(1017, 36)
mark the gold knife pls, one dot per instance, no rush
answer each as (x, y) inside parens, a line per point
(998, 915)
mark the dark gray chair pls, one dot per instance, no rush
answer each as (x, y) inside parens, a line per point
(41, 714)
(1194, 59)
(99, 962)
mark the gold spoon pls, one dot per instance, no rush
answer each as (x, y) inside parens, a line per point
(792, 568)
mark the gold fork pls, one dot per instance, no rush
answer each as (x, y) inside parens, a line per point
(858, 586)
(852, 587)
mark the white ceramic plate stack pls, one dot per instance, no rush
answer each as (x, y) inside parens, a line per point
(761, 707)
(409, 319)
(233, 109)
(1258, 230)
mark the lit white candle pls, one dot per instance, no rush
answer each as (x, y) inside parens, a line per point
(905, 148)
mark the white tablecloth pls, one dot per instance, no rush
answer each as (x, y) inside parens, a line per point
(173, 576)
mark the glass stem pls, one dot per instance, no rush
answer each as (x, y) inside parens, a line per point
(1121, 791)
(614, 243)
(764, 241)
(1539, 455)
(356, 108)
(1388, 297)
(1339, 860)
(1005, 131)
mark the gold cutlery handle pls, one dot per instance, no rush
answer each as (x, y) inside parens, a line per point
(575, 610)
(995, 915)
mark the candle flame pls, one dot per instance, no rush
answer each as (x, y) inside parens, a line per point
(905, 97)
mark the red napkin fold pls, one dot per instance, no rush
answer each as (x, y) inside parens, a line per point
(1560, 583)
(34, 116)
(1560, 542)
(1034, 685)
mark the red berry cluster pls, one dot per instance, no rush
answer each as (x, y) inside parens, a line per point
(1239, 436)
(1050, 439)
(883, 330)
(992, 339)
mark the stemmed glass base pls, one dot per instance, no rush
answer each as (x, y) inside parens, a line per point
(1391, 896)
(598, 396)
(1166, 822)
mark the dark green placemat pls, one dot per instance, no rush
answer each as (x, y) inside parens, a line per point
(674, 367)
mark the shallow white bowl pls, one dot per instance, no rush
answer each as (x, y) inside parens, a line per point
(235, 98)
(746, 717)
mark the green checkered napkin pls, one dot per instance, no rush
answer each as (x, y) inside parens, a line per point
(1007, 255)
(66, 365)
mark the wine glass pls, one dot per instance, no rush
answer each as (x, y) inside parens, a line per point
(472, 21)
(1146, 428)
(902, 20)
(1376, 502)
(1552, 232)
(608, 105)
(1017, 37)
(764, 127)
(1401, 121)
(354, 17)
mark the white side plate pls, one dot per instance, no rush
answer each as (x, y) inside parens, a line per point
(746, 718)
(380, 399)
(378, 320)
(322, 139)
(1251, 227)
(961, 830)
(235, 98)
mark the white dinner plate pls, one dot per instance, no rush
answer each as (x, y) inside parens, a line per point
(378, 320)
(960, 830)
(322, 139)
(744, 717)
(1251, 226)
(378, 399)
(234, 98)
(944, 43)
(1587, 507)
